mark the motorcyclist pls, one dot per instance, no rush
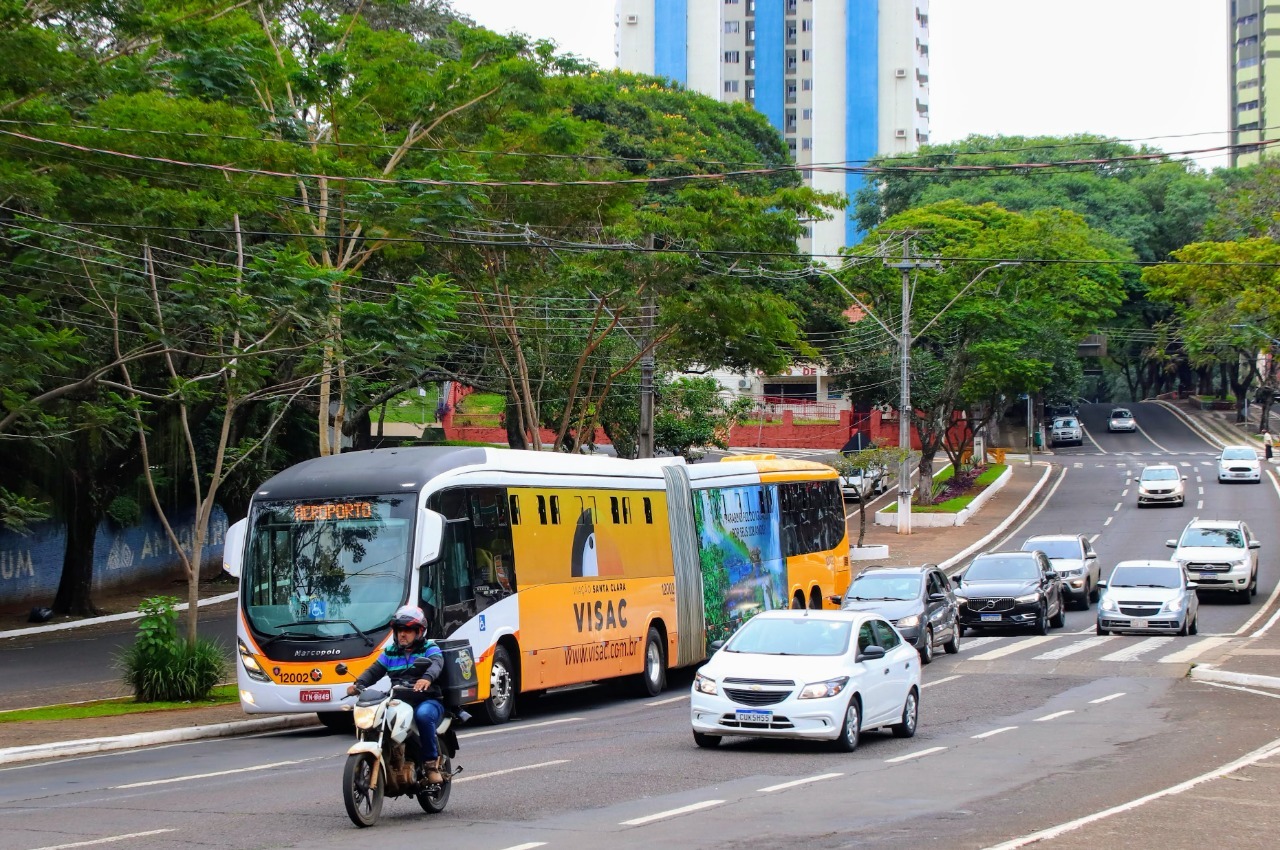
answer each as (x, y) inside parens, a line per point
(409, 660)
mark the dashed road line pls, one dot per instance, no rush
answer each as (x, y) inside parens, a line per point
(917, 754)
(671, 813)
(992, 732)
(797, 782)
(1055, 715)
(939, 681)
(1072, 648)
(1131, 652)
(474, 776)
(1107, 698)
(1016, 646)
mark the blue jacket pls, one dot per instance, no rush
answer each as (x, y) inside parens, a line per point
(419, 660)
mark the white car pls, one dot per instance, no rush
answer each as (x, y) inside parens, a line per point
(1161, 484)
(808, 673)
(1122, 420)
(1239, 463)
(1219, 555)
(1066, 429)
(1149, 596)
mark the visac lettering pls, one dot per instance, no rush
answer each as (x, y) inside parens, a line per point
(600, 615)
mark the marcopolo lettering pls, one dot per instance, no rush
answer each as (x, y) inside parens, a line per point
(600, 615)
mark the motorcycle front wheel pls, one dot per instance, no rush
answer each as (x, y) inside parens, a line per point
(361, 789)
(434, 800)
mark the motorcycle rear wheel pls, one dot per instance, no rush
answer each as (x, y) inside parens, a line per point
(362, 797)
(434, 800)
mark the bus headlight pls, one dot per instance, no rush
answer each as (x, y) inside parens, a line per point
(250, 664)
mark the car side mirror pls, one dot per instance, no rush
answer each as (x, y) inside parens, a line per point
(937, 597)
(1191, 585)
(871, 653)
(1102, 582)
(717, 645)
(1184, 478)
(1255, 544)
(1172, 544)
(956, 579)
(1051, 575)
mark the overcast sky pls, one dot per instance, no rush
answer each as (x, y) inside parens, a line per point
(1132, 69)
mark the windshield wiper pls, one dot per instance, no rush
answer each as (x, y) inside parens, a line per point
(290, 636)
(1163, 586)
(877, 598)
(357, 629)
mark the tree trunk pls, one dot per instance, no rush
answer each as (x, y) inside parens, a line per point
(514, 422)
(924, 486)
(75, 588)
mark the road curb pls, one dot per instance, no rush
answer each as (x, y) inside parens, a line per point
(109, 618)
(1208, 673)
(1003, 526)
(92, 746)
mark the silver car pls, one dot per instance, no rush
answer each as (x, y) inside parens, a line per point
(1122, 420)
(1161, 484)
(1074, 561)
(1239, 463)
(1148, 596)
(1066, 429)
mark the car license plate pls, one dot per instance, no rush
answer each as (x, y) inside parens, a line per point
(990, 618)
(315, 695)
(754, 716)
(1138, 624)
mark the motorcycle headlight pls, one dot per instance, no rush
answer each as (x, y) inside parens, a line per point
(365, 715)
(819, 690)
(908, 622)
(1108, 604)
(1028, 599)
(705, 685)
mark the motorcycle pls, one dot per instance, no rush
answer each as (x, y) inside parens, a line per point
(382, 762)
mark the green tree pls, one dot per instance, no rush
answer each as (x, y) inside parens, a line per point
(867, 470)
(692, 413)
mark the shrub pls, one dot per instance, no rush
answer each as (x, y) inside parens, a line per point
(160, 667)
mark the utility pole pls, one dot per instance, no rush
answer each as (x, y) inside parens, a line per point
(644, 439)
(907, 265)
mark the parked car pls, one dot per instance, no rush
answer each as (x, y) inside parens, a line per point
(874, 481)
(1066, 430)
(1004, 590)
(1161, 484)
(917, 600)
(1122, 420)
(1149, 596)
(1074, 561)
(1239, 463)
(1219, 555)
(808, 673)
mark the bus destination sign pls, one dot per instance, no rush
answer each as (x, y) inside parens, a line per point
(332, 510)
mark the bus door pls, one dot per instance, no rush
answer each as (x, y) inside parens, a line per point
(475, 568)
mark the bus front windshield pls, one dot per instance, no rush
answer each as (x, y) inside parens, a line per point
(331, 569)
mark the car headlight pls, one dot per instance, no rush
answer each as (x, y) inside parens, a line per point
(1070, 573)
(820, 690)
(705, 685)
(365, 715)
(1173, 606)
(1107, 604)
(1028, 599)
(1239, 565)
(908, 622)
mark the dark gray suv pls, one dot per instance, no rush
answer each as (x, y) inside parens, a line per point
(1003, 590)
(917, 600)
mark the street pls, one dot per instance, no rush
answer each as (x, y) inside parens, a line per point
(1017, 734)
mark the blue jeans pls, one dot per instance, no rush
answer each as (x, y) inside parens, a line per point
(428, 714)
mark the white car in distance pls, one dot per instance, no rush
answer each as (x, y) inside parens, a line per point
(1239, 463)
(808, 673)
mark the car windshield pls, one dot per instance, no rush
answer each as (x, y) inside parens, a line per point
(1065, 423)
(1243, 453)
(1121, 414)
(1055, 549)
(792, 636)
(887, 586)
(1123, 576)
(1159, 475)
(1002, 569)
(1225, 537)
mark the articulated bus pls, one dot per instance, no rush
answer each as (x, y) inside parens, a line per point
(558, 569)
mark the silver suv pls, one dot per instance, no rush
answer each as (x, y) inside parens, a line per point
(1066, 429)
(1219, 554)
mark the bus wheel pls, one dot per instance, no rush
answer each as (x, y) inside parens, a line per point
(337, 721)
(798, 601)
(815, 599)
(502, 688)
(653, 678)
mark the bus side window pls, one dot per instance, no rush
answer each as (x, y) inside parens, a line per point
(614, 509)
(626, 509)
(648, 510)
(542, 509)
(515, 509)
(555, 510)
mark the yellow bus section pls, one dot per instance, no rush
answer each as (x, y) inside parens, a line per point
(595, 571)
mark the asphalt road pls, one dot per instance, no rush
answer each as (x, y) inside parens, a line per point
(1017, 734)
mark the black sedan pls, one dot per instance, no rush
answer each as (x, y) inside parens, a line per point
(917, 600)
(1003, 590)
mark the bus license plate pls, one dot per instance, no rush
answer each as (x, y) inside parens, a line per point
(315, 695)
(755, 716)
(990, 618)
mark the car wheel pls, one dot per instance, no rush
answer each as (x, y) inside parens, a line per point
(1253, 585)
(1186, 628)
(1095, 595)
(707, 742)
(906, 728)
(1245, 596)
(1100, 630)
(953, 646)
(1195, 625)
(1220, 480)
(1042, 623)
(847, 741)
(1059, 619)
(1087, 597)
(926, 648)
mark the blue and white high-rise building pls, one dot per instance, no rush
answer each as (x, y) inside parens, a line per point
(843, 80)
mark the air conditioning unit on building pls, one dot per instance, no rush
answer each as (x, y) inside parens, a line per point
(633, 19)
(900, 73)
(744, 384)
(899, 134)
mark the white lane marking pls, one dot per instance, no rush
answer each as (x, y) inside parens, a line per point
(1271, 600)
(1241, 688)
(992, 732)
(106, 840)
(1108, 521)
(1267, 626)
(1199, 504)
(1078, 465)
(1153, 442)
(797, 782)
(1055, 715)
(1194, 650)
(1107, 698)
(1184, 463)
(982, 641)
(522, 767)
(1015, 646)
(1094, 538)
(1117, 507)
(1124, 495)
(670, 700)
(939, 681)
(670, 813)
(519, 728)
(192, 776)
(1257, 755)
(529, 846)
(1201, 491)
(1131, 652)
(1071, 648)
(917, 754)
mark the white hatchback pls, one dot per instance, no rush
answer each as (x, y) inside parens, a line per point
(1239, 463)
(827, 675)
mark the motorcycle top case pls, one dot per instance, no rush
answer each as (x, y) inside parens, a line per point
(460, 685)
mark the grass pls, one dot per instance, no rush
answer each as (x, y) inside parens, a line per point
(959, 503)
(483, 403)
(411, 407)
(221, 695)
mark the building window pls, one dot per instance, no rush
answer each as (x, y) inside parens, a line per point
(790, 121)
(791, 147)
(806, 144)
(806, 55)
(806, 85)
(791, 92)
(751, 62)
(1246, 20)
(791, 61)
(751, 92)
(1246, 106)
(731, 2)
(1247, 41)
(731, 27)
(791, 33)
(1248, 84)
(1247, 62)
(730, 86)
(732, 56)
(791, 7)
(806, 114)
(751, 33)
(1252, 125)
(806, 25)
